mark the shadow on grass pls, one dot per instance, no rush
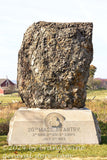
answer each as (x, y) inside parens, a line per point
(103, 139)
(103, 127)
(4, 128)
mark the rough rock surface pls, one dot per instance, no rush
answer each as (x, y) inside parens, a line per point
(53, 64)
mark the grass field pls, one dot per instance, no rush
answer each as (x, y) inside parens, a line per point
(9, 98)
(97, 94)
(51, 151)
(96, 101)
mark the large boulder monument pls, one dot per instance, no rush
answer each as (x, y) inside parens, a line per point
(53, 69)
(53, 64)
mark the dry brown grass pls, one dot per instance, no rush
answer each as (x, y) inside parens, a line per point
(8, 110)
(99, 107)
(6, 113)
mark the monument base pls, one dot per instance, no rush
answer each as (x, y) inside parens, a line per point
(53, 126)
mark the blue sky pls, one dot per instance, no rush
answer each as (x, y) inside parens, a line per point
(17, 15)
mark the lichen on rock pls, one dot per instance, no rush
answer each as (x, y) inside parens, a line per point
(53, 64)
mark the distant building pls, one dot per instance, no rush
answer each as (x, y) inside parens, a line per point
(7, 86)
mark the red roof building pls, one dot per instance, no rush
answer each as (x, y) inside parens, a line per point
(1, 91)
(6, 86)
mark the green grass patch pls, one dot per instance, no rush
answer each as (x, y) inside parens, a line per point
(9, 98)
(97, 94)
(50, 151)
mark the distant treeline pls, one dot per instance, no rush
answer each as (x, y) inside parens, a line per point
(100, 83)
(96, 83)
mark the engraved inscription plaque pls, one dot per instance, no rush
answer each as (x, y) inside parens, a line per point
(32, 126)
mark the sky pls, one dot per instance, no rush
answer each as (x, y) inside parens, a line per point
(17, 15)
